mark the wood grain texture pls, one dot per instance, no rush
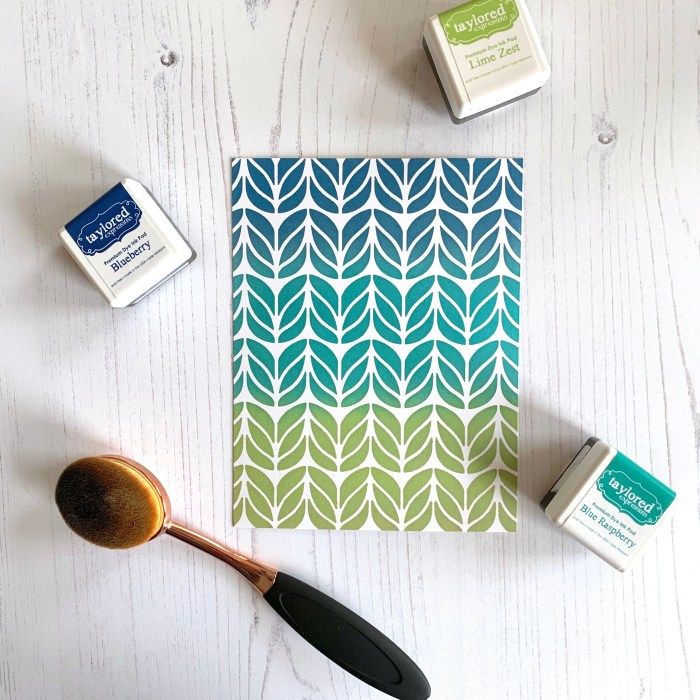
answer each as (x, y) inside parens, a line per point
(611, 345)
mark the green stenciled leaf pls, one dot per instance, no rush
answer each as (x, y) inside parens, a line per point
(330, 491)
(483, 460)
(387, 496)
(352, 510)
(288, 483)
(482, 442)
(324, 499)
(479, 486)
(479, 422)
(295, 518)
(455, 488)
(415, 484)
(481, 504)
(355, 445)
(291, 502)
(352, 484)
(388, 485)
(324, 438)
(507, 521)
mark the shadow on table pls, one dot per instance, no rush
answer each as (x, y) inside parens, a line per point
(548, 442)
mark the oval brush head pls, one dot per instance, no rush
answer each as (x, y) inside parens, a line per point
(109, 502)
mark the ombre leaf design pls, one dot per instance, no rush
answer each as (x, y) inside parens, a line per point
(376, 311)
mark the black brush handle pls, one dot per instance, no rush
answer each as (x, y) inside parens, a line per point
(347, 639)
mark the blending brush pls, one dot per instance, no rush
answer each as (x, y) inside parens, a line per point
(115, 502)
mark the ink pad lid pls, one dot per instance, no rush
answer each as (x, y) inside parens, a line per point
(126, 244)
(608, 503)
(485, 54)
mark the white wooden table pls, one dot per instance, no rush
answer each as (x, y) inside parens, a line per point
(167, 92)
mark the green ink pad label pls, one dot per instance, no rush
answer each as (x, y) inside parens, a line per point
(478, 20)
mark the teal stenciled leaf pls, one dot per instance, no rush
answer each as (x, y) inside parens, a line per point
(452, 310)
(485, 174)
(419, 310)
(387, 443)
(418, 440)
(388, 303)
(323, 377)
(356, 249)
(355, 373)
(291, 302)
(354, 310)
(452, 245)
(324, 438)
(325, 310)
(418, 374)
(291, 244)
(261, 372)
(387, 374)
(485, 237)
(451, 376)
(353, 438)
(291, 374)
(260, 244)
(261, 308)
(420, 244)
(389, 244)
(324, 253)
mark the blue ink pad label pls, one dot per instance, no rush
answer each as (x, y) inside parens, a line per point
(105, 222)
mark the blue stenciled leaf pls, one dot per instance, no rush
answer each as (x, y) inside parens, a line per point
(324, 245)
(357, 184)
(422, 184)
(292, 183)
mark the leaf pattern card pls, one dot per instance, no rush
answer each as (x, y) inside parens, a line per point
(375, 342)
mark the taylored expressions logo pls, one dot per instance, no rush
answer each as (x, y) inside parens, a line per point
(109, 227)
(629, 497)
(478, 20)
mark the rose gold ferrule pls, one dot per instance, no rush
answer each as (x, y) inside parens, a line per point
(260, 575)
